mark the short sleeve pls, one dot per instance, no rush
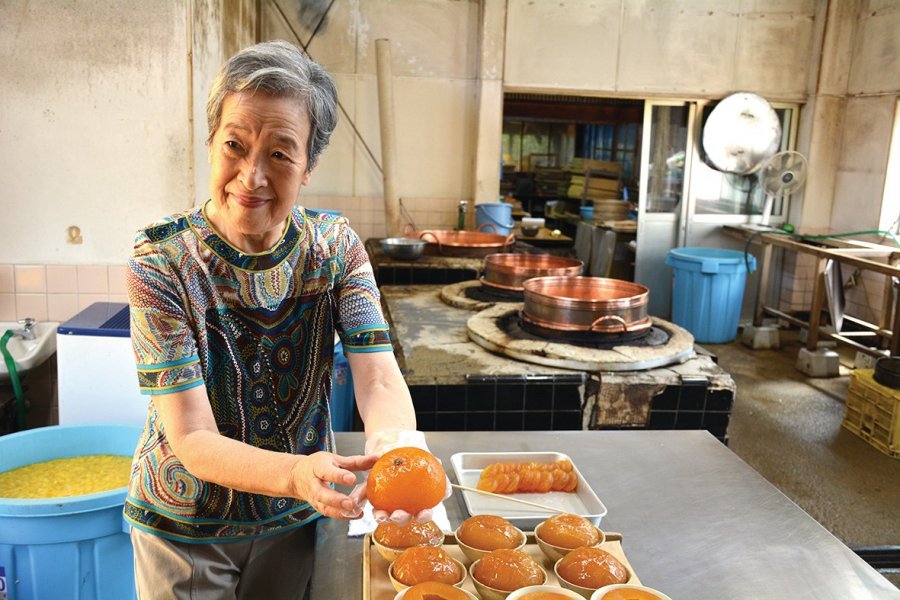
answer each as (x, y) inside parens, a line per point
(361, 323)
(165, 347)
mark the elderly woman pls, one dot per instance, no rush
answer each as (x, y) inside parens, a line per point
(234, 307)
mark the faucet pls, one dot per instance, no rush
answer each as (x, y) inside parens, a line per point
(27, 331)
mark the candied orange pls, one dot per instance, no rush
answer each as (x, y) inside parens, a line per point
(591, 568)
(392, 535)
(489, 532)
(426, 563)
(433, 590)
(569, 531)
(544, 596)
(407, 479)
(508, 570)
(629, 595)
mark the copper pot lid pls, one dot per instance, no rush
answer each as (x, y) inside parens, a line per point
(509, 271)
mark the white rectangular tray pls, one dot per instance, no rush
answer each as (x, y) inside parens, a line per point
(467, 467)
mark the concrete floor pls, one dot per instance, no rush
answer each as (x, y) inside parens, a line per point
(788, 428)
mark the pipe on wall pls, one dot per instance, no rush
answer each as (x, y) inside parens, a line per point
(388, 135)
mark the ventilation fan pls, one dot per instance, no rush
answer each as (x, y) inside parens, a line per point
(741, 132)
(780, 175)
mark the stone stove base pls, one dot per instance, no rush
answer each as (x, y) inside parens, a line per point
(458, 385)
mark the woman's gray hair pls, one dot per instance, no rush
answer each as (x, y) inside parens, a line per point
(281, 69)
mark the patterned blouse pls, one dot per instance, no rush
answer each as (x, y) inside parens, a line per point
(258, 331)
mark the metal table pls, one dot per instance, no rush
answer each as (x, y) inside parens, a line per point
(697, 522)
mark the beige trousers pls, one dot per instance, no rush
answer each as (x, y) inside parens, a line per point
(274, 567)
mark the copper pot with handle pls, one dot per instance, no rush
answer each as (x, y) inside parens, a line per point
(509, 271)
(594, 304)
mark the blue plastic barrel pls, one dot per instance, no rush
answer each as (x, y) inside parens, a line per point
(494, 216)
(708, 291)
(329, 211)
(341, 392)
(71, 547)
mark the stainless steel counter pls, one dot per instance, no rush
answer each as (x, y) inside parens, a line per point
(697, 522)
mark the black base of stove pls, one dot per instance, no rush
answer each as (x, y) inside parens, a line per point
(513, 325)
(553, 402)
(421, 276)
(485, 293)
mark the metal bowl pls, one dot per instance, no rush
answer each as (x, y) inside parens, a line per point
(403, 248)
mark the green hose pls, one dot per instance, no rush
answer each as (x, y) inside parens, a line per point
(788, 230)
(880, 232)
(14, 378)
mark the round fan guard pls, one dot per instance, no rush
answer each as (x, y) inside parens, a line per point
(783, 173)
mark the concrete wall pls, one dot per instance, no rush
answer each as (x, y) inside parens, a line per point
(434, 49)
(94, 125)
(683, 48)
(872, 91)
(102, 123)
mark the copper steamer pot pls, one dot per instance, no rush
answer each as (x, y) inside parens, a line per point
(466, 243)
(509, 271)
(586, 304)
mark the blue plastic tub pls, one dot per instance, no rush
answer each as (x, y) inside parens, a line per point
(74, 547)
(494, 216)
(708, 291)
(341, 392)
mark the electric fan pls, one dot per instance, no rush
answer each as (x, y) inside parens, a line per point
(780, 175)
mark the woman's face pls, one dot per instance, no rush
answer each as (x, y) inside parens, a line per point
(259, 159)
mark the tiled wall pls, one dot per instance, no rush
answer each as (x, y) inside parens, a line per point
(367, 215)
(797, 280)
(863, 292)
(501, 403)
(692, 406)
(57, 292)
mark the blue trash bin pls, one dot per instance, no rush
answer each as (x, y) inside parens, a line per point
(342, 396)
(708, 291)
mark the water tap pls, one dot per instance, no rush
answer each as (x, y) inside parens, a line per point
(27, 331)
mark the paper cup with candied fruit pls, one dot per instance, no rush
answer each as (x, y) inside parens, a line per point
(543, 592)
(433, 590)
(480, 534)
(628, 591)
(501, 572)
(425, 563)
(391, 539)
(562, 533)
(586, 569)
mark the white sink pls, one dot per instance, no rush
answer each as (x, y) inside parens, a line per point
(28, 354)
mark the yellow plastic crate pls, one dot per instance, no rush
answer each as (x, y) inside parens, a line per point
(873, 412)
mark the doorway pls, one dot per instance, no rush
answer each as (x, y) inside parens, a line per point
(676, 197)
(684, 201)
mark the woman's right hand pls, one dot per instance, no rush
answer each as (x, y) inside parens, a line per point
(313, 475)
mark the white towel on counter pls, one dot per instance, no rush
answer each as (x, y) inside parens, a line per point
(366, 523)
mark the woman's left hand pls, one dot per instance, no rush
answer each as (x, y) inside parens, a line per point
(313, 475)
